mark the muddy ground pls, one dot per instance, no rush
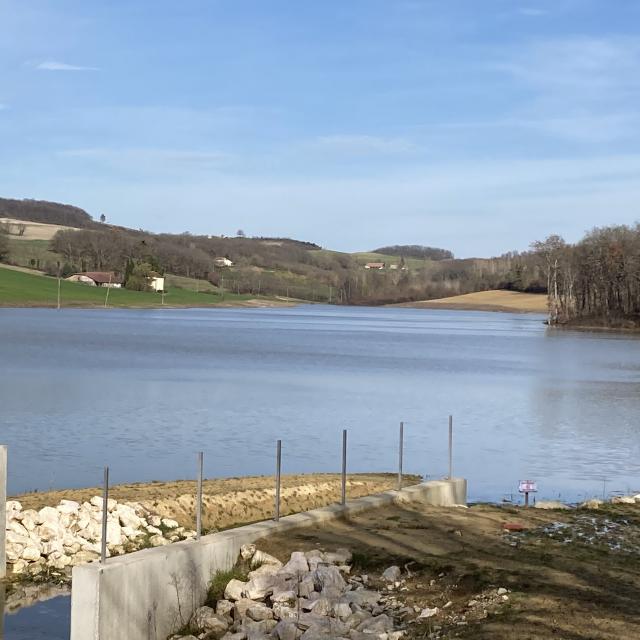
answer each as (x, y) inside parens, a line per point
(571, 575)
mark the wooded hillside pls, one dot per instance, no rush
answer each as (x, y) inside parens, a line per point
(597, 280)
(46, 212)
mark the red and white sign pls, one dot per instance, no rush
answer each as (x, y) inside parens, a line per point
(528, 486)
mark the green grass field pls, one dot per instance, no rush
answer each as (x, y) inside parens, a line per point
(25, 290)
(32, 253)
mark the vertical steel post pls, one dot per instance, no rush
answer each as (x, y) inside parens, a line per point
(199, 497)
(344, 467)
(400, 452)
(450, 447)
(105, 513)
(278, 469)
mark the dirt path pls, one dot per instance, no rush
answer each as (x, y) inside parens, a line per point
(229, 501)
(572, 590)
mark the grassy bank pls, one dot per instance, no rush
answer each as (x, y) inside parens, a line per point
(19, 289)
(509, 301)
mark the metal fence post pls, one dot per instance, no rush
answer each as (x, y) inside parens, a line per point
(400, 453)
(105, 513)
(278, 470)
(199, 497)
(3, 512)
(450, 447)
(344, 467)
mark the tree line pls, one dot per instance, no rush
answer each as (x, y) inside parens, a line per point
(46, 212)
(596, 280)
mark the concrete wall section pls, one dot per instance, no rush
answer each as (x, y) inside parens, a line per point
(150, 594)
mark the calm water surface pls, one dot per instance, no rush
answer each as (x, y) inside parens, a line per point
(143, 391)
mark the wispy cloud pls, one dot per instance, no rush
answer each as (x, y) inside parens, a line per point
(364, 144)
(53, 65)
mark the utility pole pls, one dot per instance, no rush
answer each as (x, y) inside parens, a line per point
(58, 286)
(106, 298)
(222, 286)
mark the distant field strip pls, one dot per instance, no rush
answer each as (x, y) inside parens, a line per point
(512, 301)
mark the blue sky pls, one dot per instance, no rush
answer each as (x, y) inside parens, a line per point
(475, 125)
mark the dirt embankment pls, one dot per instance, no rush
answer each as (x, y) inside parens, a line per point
(509, 301)
(230, 501)
(570, 575)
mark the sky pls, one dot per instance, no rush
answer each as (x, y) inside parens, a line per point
(474, 125)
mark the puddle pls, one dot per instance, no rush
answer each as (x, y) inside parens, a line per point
(36, 612)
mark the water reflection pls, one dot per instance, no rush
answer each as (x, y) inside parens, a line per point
(34, 612)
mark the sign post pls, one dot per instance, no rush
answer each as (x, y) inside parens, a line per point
(527, 487)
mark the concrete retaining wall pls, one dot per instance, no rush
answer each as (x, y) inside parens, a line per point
(149, 594)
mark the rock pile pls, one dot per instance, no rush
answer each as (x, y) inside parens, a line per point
(50, 541)
(311, 597)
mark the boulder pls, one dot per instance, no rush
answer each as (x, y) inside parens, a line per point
(29, 519)
(128, 517)
(379, 624)
(240, 608)
(550, 504)
(282, 611)
(594, 503)
(392, 574)
(206, 619)
(158, 541)
(169, 524)
(324, 577)
(234, 589)
(259, 612)
(31, 554)
(362, 597)
(341, 610)
(296, 566)
(623, 500)
(224, 607)
(97, 501)
(259, 587)
(68, 507)
(247, 551)
(260, 557)
(285, 630)
(321, 606)
(264, 570)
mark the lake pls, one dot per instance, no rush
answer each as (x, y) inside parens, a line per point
(143, 391)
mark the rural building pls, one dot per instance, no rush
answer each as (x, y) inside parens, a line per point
(222, 262)
(374, 265)
(97, 279)
(156, 283)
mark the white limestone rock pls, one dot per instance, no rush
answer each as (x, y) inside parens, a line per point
(392, 574)
(234, 590)
(247, 551)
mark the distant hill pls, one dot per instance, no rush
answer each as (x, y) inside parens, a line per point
(416, 251)
(71, 241)
(46, 212)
